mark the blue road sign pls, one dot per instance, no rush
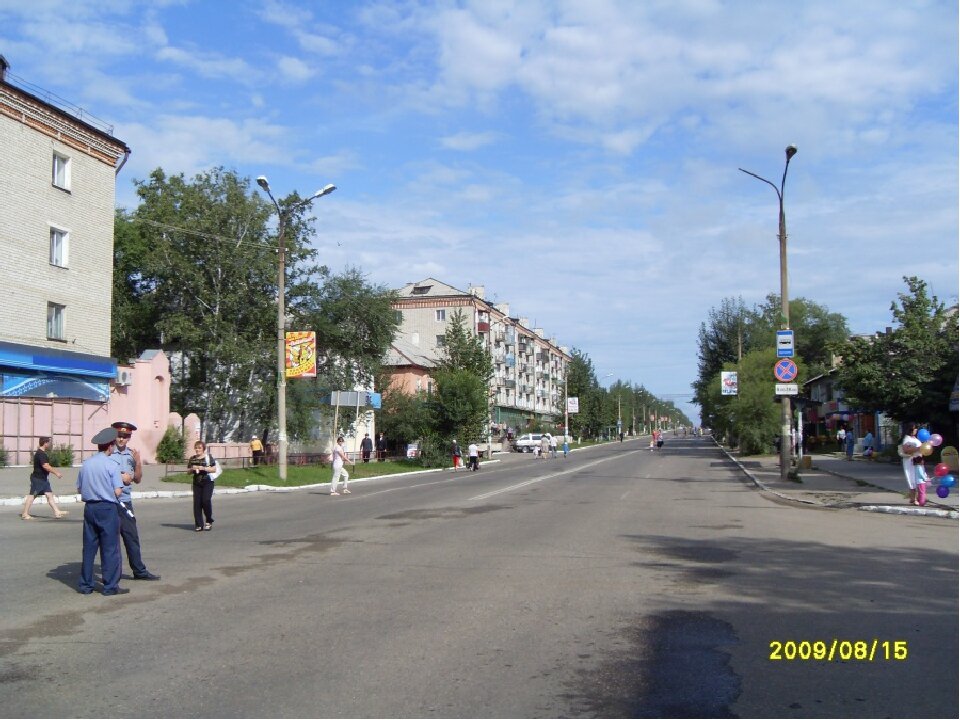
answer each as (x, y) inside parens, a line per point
(784, 343)
(785, 370)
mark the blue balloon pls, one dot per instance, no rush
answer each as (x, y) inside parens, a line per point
(947, 481)
(923, 435)
(943, 492)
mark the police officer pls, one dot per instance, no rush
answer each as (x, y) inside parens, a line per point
(131, 471)
(100, 486)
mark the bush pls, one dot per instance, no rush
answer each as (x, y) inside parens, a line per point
(435, 452)
(3, 457)
(61, 455)
(172, 447)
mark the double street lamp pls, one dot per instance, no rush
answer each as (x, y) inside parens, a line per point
(283, 214)
(784, 308)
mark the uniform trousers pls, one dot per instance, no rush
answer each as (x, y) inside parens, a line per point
(131, 539)
(101, 531)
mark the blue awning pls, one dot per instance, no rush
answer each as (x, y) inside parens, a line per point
(28, 357)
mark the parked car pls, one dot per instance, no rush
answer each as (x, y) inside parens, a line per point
(527, 442)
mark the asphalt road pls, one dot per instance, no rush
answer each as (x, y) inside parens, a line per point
(618, 582)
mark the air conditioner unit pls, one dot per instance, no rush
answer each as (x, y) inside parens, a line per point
(124, 377)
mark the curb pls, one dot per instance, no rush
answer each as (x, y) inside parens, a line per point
(74, 499)
(887, 509)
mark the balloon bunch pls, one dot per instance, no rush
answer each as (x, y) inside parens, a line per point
(928, 441)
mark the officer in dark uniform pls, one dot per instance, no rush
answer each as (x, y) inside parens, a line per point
(100, 486)
(131, 471)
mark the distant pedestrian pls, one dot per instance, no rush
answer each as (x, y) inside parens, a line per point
(868, 445)
(131, 471)
(909, 447)
(339, 460)
(921, 479)
(841, 438)
(100, 486)
(473, 456)
(205, 470)
(256, 450)
(366, 447)
(566, 445)
(381, 448)
(455, 454)
(659, 439)
(553, 446)
(40, 481)
(544, 446)
(851, 441)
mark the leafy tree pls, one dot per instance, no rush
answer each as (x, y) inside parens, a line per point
(172, 446)
(582, 384)
(197, 276)
(722, 339)
(462, 350)
(909, 372)
(815, 330)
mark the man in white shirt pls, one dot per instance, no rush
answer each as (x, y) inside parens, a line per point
(473, 456)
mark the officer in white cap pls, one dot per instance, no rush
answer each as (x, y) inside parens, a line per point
(131, 471)
(100, 486)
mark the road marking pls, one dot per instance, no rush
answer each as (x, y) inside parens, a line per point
(525, 483)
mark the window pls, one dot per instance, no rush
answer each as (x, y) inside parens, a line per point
(55, 322)
(61, 171)
(421, 289)
(441, 315)
(441, 341)
(58, 247)
(398, 315)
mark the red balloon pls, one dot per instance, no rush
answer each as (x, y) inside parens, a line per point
(941, 469)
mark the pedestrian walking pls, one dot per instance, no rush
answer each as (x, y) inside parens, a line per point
(256, 450)
(566, 445)
(366, 447)
(40, 481)
(205, 471)
(553, 446)
(473, 456)
(659, 439)
(909, 447)
(544, 446)
(131, 471)
(100, 487)
(339, 459)
(841, 438)
(456, 454)
(381, 448)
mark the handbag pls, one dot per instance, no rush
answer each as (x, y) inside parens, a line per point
(218, 471)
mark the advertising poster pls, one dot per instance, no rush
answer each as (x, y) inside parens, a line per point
(728, 383)
(301, 354)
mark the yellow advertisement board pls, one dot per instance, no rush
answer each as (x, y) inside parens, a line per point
(301, 354)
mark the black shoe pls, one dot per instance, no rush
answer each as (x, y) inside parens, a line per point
(148, 576)
(85, 592)
(118, 591)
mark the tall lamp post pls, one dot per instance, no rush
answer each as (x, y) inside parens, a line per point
(282, 216)
(784, 308)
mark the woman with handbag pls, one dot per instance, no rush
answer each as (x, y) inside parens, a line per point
(205, 470)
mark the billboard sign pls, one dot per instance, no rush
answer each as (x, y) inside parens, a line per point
(728, 383)
(301, 354)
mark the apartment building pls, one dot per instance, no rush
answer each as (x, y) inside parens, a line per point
(58, 169)
(529, 369)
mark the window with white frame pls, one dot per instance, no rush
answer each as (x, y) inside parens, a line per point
(61, 171)
(441, 315)
(55, 315)
(59, 246)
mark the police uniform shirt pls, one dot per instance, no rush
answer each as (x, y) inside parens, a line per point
(126, 463)
(98, 478)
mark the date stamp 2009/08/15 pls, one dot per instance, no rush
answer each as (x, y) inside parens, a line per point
(874, 650)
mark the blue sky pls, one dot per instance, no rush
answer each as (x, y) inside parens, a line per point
(578, 159)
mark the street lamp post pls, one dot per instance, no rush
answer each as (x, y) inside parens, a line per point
(784, 307)
(282, 217)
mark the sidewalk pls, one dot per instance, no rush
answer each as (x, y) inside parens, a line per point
(835, 482)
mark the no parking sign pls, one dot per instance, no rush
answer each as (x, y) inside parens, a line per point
(785, 370)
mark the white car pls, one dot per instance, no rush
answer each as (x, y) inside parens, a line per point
(527, 442)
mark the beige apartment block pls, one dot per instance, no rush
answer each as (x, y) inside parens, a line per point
(529, 369)
(58, 169)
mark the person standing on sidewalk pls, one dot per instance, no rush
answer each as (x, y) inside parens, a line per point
(131, 471)
(909, 447)
(40, 482)
(256, 450)
(381, 448)
(841, 438)
(100, 487)
(366, 447)
(851, 441)
(456, 454)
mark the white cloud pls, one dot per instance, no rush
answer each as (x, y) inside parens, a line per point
(294, 69)
(468, 141)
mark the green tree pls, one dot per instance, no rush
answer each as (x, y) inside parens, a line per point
(197, 276)
(815, 330)
(909, 372)
(582, 384)
(721, 340)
